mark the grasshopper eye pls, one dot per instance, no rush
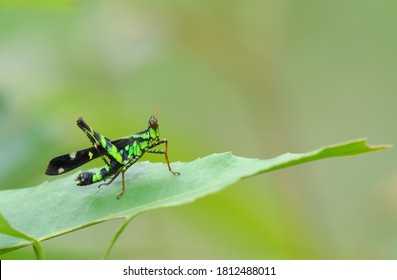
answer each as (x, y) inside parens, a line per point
(153, 122)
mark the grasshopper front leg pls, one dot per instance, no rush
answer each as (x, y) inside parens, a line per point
(165, 152)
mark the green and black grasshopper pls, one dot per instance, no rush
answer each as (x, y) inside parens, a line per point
(118, 155)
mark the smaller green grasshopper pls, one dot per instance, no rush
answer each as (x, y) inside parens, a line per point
(118, 155)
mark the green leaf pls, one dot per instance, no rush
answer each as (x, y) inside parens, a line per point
(58, 207)
(7, 229)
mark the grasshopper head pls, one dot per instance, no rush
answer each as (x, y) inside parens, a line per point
(154, 131)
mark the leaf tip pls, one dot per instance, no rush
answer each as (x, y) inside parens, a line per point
(376, 147)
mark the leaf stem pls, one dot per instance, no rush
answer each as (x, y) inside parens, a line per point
(116, 236)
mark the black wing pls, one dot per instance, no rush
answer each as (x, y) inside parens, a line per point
(67, 162)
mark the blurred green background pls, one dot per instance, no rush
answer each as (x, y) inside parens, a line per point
(258, 78)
